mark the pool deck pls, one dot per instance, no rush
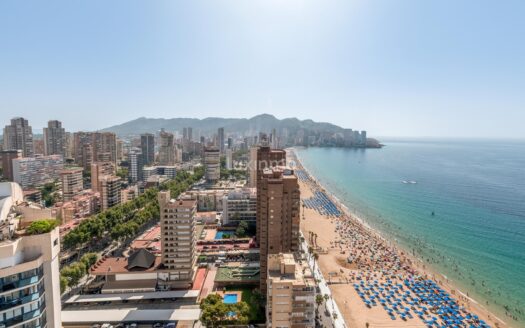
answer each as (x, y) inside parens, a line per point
(236, 292)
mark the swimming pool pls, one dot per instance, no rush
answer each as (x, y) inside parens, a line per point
(230, 298)
(221, 234)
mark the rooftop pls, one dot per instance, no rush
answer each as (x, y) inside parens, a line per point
(128, 315)
(116, 265)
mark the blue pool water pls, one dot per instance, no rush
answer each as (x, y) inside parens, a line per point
(230, 298)
(220, 235)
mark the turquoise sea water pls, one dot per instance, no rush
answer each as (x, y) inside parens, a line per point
(476, 190)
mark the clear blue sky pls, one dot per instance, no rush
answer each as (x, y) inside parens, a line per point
(394, 68)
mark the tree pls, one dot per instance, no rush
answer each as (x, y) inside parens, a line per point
(41, 226)
(259, 299)
(214, 310)
(89, 259)
(123, 174)
(241, 229)
(63, 284)
(73, 273)
(215, 313)
(319, 299)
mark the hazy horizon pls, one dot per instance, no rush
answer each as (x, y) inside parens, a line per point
(394, 68)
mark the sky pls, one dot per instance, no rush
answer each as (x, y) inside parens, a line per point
(443, 68)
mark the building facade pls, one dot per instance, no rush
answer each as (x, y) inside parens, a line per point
(98, 170)
(278, 217)
(7, 162)
(92, 147)
(147, 146)
(291, 293)
(136, 165)
(37, 171)
(212, 164)
(178, 240)
(166, 148)
(263, 157)
(29, 281)
(110, 191)
(54, 139)
(19, 136)
(239, 205)
(220, 140)
(169, 171)
(72, 183)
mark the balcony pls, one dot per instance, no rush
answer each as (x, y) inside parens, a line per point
(24, 317)
(7, 304)
(20, 283)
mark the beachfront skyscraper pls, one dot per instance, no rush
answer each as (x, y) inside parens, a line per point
(262, 157)
(278, 203)
(54, 139)
(177, 225)
(147, 145)
(19, 136)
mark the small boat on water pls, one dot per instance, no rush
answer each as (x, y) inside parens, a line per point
(404, 181)
(412, 182)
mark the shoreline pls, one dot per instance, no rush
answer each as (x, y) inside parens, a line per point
(426, 270)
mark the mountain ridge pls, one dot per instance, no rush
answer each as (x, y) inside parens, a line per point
(209, 125)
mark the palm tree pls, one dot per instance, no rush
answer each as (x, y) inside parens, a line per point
(319, 299)
(316, 256)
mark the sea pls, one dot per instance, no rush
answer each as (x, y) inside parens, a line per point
(458, 205)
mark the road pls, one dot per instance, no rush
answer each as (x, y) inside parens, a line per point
(330, 305)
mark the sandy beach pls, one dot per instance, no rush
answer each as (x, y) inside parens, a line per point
(364, 267)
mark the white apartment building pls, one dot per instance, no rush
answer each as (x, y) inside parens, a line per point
(178, 240)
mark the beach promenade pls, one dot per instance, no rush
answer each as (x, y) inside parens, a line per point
(373, 282)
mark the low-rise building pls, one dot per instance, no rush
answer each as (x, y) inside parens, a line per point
(80, 206)
(168, 171)
(239, 205)
(291, 293)
(129, 193)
